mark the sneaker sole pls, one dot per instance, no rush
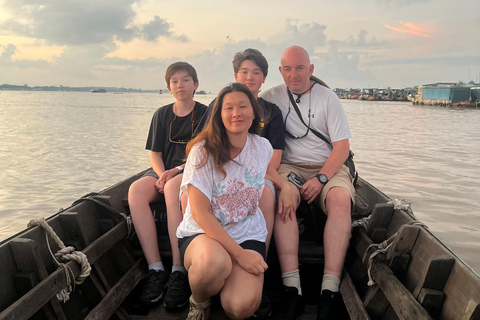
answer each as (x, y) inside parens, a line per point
(153, 301)
(175, 306)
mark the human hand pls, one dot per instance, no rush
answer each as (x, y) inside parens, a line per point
(311, 189)
(286, 204)
(252, 262)
(160, 184)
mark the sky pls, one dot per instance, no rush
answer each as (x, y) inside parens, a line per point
(130, 43)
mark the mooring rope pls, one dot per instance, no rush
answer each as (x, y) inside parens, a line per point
(383, 247)
(65, 254)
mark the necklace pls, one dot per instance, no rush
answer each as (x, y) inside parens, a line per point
(301, 94)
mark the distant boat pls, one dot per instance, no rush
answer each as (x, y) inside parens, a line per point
(201, 92)
(98, 90)
(160, 92)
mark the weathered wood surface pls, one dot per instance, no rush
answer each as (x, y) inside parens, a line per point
(112, 300)
(353, 303)
(400, 299)
(36, 298)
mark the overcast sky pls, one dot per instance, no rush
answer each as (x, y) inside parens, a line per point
(129, 43)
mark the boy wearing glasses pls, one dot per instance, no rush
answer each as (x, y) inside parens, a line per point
(171, 129)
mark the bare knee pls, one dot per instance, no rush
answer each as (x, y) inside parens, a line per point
(240, 307)
(338, 202)
(207, 267)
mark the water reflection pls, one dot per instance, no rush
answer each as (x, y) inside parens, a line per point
(57, 146)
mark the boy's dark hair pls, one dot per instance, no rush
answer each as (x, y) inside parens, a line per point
(179, 66)
(253, 55)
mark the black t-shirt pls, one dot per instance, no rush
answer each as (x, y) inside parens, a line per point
(166, 133)
(273, 120)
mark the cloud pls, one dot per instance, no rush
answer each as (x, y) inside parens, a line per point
(88, 64)
(413, 29)
(158, 27)
(436, 61)
(360, 42)
(8, 53)
(403, 3)
(75, 22)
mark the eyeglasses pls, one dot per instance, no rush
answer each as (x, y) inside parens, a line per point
(171, 125)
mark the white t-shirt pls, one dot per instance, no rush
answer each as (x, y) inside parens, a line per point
(233, 199)
(327, 117)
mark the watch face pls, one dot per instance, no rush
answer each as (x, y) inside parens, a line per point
(322, 178)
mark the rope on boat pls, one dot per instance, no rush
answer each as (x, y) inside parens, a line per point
(383, 247)
(65, 254)
(128, 219)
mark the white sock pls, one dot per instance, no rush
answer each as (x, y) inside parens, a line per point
(292, 279)
(157, 266)
(330, 283)
(181, 269)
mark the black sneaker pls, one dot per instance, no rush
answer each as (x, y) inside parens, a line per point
(329, 305)
(264, 311)
(292, 305)
(153, 289)
(178, 291)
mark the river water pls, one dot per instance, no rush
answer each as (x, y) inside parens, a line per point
(57, 146)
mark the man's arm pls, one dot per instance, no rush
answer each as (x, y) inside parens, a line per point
(312, 188)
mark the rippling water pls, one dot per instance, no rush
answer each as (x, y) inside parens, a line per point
(57, 146)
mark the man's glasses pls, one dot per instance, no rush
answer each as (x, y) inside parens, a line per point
(171, 125)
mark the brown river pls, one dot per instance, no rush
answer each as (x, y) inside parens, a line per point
(57, 146)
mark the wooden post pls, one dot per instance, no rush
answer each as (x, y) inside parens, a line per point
(28, 260)
(353, 303)
(36, 298)
(378, 222)
(111, 302)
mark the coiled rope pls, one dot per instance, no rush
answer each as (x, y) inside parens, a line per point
(65, 254)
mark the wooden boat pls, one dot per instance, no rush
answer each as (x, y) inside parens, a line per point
(412, 274)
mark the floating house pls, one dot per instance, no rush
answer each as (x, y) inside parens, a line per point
(441, 94)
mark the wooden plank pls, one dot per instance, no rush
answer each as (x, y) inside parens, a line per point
(27, 259)
(353, 303)
(378, 222)
(472, 311)
(111, 302)
(375, 302)
(432, 301)
(399, 256)
(436, 274)
(31, 302)
(401, 300)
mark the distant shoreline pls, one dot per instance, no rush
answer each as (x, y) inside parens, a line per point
(12, 87)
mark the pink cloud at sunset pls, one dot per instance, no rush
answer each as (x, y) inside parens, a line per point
(426, 31)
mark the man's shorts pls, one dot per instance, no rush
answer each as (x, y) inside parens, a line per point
(308, 170)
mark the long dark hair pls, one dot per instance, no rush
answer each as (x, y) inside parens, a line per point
(215, 135)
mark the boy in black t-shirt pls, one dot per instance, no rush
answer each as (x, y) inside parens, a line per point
(171, 129)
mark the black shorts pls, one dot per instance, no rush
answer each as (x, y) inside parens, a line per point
(254, 245)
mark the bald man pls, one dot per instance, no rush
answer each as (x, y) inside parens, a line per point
(328, 182)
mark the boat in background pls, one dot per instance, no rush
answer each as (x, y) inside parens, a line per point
(395, 268)
(98, 90)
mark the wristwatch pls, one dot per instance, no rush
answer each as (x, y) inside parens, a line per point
(322, 178)
(180, 169)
